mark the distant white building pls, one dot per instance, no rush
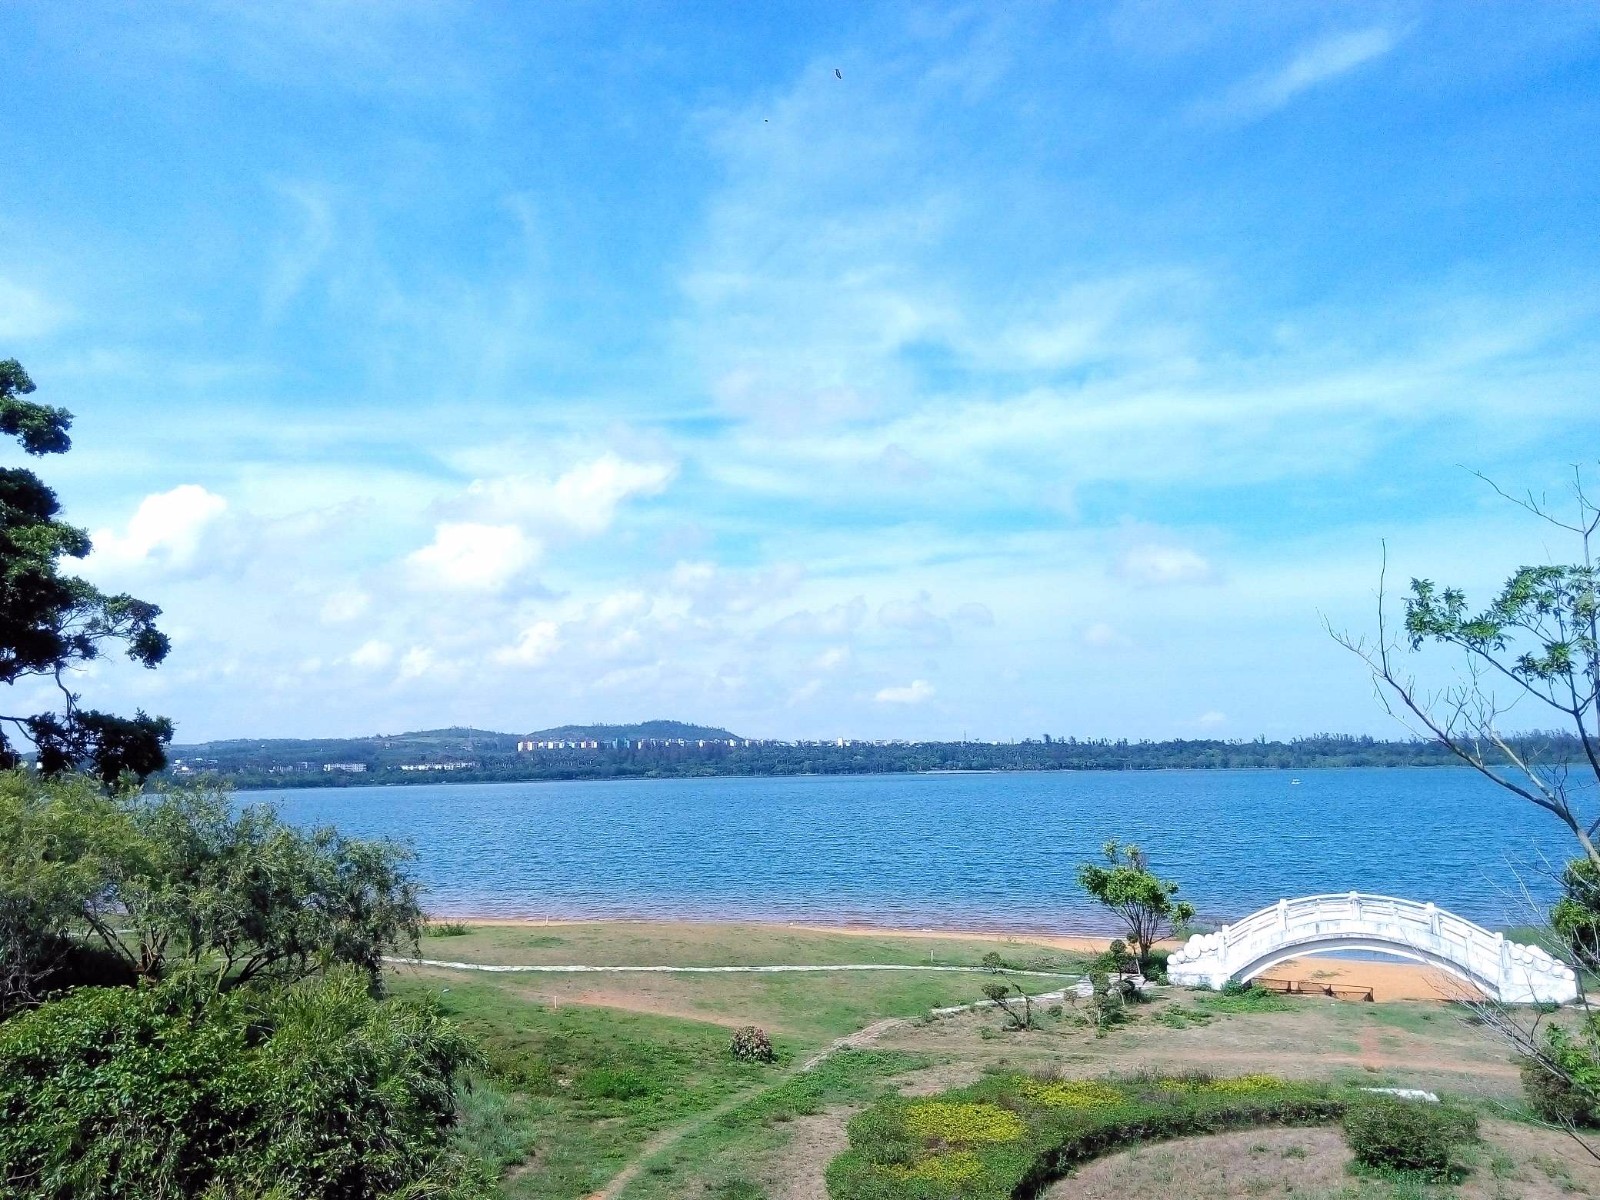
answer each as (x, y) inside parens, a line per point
(349, 768)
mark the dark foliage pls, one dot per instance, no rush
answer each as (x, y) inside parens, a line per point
(314, 1091)
(750, 1044)
(1556, 1097)
(179, 879)
(51, 623)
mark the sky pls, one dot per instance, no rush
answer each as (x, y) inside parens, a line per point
(811, 370)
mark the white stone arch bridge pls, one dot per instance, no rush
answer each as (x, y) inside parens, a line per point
(1502, 970)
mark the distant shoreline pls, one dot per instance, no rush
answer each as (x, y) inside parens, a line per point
(341, 782)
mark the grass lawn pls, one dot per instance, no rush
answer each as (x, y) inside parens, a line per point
(716, 944)
(588, 1070)
(572, 1093)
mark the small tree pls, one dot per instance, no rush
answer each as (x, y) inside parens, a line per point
(999, 994)
(1125, 884)
(1532, 648)
(50, 623)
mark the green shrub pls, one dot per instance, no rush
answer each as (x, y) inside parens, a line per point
(1391, 1134)
(1243, 998)
(445, 929)
(317, 1091)
(1556, 1098)
(752, 1045)
(1011, 1134)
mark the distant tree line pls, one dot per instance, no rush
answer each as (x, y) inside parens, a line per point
(265, 765)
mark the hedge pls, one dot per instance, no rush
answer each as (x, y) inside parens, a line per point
(1010, 1134)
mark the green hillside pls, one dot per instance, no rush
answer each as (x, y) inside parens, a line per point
(645, 730)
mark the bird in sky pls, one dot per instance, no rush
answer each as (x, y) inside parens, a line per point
(838, 74)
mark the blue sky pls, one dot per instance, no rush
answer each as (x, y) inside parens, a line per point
(1059, 368)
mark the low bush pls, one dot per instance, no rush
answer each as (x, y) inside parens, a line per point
(1554, 1097)
(317, 1091)
(1242, 998)
(752, 1045)
(1010, 1134)
(1391, 1134)
(445, 929)
(1563, 1086)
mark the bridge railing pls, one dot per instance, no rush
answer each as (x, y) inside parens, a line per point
(1355, 920)
(1423, 926)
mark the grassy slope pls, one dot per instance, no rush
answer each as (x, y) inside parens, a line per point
(575, 1089)
(573, 1092)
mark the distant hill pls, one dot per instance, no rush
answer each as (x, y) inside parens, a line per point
(659, 730)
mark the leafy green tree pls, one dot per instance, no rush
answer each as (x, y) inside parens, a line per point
(1533, 648)
(180, 880)
(244, 896)
(63, 845)
(302, 1093)
(51, 623)
(1146, 904)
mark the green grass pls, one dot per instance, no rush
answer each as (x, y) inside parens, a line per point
(807, 1009)
(572, 1093)
(693, 944)
(1248, 1000)
(714, 1158)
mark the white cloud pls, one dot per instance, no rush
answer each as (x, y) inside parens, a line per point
(915, 692)
(581, 502)
(1157, 565)
(165, 530)
(833, 657)
(533, 646)
(345, 606)
(371, 655)
(916, 618)
(1323, 60)
(417, 662)
(465, 556)
(1212, 719)
(26, 313)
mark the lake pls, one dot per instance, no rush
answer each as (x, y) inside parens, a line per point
(995, 851)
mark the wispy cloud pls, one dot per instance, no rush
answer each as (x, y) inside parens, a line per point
(1321, 62)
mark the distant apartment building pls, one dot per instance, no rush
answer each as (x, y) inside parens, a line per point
(348, 768)
(439, 766)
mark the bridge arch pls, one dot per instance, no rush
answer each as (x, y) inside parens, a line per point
(1507, 971)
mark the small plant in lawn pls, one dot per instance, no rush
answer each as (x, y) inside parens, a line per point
(752, 1045)
(1107, 1006)
(1387, 1133)
(1000, 995)
(445, 929)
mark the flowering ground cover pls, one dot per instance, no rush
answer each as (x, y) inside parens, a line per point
(1012, 1132)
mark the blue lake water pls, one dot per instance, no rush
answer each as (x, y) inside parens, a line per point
(949, 850)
